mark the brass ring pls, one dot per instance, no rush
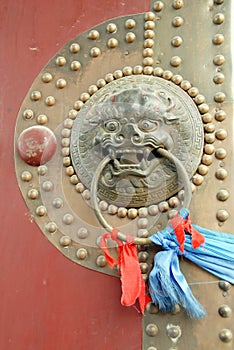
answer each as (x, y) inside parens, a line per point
(164, 153)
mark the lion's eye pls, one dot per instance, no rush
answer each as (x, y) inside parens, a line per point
(147, 125)
(112, 126)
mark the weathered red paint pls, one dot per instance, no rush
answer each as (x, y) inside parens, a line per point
(47, 302)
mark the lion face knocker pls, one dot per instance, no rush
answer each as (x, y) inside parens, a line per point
(129, 120)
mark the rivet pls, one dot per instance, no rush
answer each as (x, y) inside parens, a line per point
(202, 169)
(41, 210)
(142, 212)
(163, 206)
(177, 21)
(181, 195)
(92, 89)
(26, 176)
(178, 4)
(222, 195)
(80, 187)
(74, 47)
(149, 43)
(112, 209)
(198, 179)
(46, 77)
(65, 241)
(151, 330)
(219, 78)
(207, 159)
(207, 118)
(103, 205)
(173, 202)
(224, 285)
(193, 92)
(221, 174)
(149, 25)
(66, 132)
(132, 213)
(185, 85)
(95, 52)
(218, 2)
(72, 114)
(220, 115)
(112, 43)
(137, 69)
(167, 74)
(222, 215)
(28, 114)
(218, 39)
(176, 41)
(42, 119)
(127, 70)
(33, 193)
(74, 179)
(144, 267)
(101, 261)
(142, 223)
(35, 95)
(50, 101)
(225, 311)
(65, 151)
(153, 210)
(86, 195)
(219, 60)
(61, 61)
(42, 170)
(82, 232)
(78, 105)
(158, 6)
(93, 34)
(68, 123)
(203, 108)
(177, 79)
(68, 219)
(148, 61)
(209, 138)
(75, 65)
(175, 61)
(149, 16)
(220, 153)
(47, 186)
(151, 348)
(209, 127)
(143, 256)
(158, 72)
(130, 37)
(101, 83)
(148, 70)
(82, 254)
(84, 96)
(130, 23)
(209, 149)
(225, 335)
(65, 142)
(66, 161)
(149, 34)
(173, 331)
(221, 134)
(148, 52)
(57, 203)
(70, 171)
(199, 99)
(61, 83)
(51, 227)
(218, 18)
(176, 309)
(219, 97)
(109, 77)
(122, 212)
(111, 27)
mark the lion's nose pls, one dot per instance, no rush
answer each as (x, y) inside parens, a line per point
(130, 132)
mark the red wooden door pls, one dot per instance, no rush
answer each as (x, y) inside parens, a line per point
(48, 302)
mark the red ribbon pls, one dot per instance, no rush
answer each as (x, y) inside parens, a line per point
(132, 283)
(180, 226)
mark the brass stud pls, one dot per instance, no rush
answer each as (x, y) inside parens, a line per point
(203, 108)
(219, 60)
(109, 77)
(149, 34)
(122, 212)
(93, 34)
(42, 170)
(112, 43)
(112, 209)
(65, 151)
(153, 210)
(158, 6)
(218, 39)
(50, 101)
(143, 256)
(26, 176)
(193, 92)
(142, 233)
(78, 105)
(74, 48)
(103, 205)
(209, 149)
(75, 65)
(178, 4)
(222, 215)
(42, 119)
(101, 83)
(132, 213)
(65, 142)
(142, 223)
(130, 23)
(68, 219)
(118, 74)
(225, 335)
(33, 193)
(222, 195)
(84, 96)
(101, 261)
(144, 267)
(151, 330)
(176, 41)
(46, 77)
(167, 74)
(197, 179)
(218, 2)
(219, 78)
(149, 16)
(148, 52)
(175, 61)
(47, 186)
(41, 210)
(173, 202)
(148, 61)
(149, 25)
(72, 114)
(220, 153)
(202, 169)
(57, 203)
(177, 21)
(148, 70)
(177, 79)
(148, 43)
(51, 227)
(61, 83)
(66, 161)
(92, 89)
(28, 114)
(225, 311)
(66, 132)
(224, 285)
(173, 331)
(82, 232)
(130, 37)
(163, 206)
(61, 61)
(220, 115)
(127, 70)
(82, 254)
(221, 134)
(142, 212)
(221, 174)
(199, 99)
(86, 195)
(95, 52)
(80, 187)
(35, 95)
(207, 118)
(209, 138)
(74, 179)
(65, 241)
(137, 69)
(68, 123)
(111, 28)
(70, 171)
(219, 97)
(209, 127)
(218, 18)
(158, 72)
(207, 159)
(185, 85)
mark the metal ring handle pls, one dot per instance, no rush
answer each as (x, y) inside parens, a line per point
(164, 153)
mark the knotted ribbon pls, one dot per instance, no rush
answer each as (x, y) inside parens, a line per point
(132, 283)
(211, 250)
